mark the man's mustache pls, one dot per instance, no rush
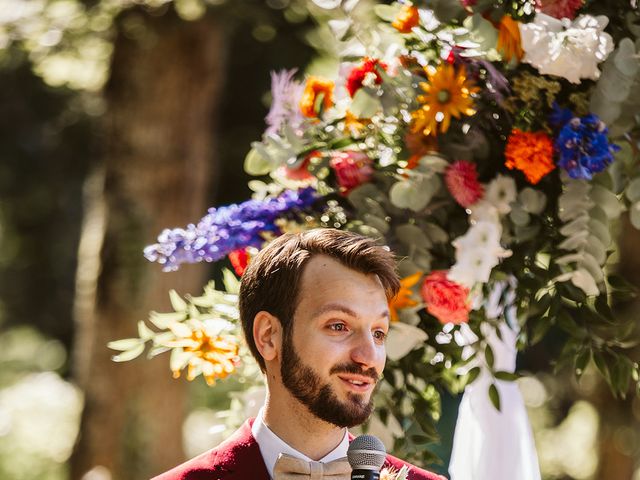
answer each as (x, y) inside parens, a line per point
(355, 370)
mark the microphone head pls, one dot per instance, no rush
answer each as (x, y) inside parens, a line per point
(366, 452)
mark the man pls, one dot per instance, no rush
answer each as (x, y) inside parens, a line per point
(314, 310)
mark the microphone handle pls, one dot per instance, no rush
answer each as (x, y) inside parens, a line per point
(365, 475)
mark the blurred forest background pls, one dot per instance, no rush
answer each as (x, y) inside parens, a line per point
(118, 119)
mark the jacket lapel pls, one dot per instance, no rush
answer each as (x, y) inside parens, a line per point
(239, 457)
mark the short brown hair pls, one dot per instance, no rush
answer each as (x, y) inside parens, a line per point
(271, 282)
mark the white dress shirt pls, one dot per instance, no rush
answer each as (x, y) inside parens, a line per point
(271, 446)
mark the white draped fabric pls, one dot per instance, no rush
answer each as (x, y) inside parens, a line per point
(491, 444)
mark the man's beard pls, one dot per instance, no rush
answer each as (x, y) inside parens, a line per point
(306, 385)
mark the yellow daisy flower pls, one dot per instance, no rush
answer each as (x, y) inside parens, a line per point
(447, 93)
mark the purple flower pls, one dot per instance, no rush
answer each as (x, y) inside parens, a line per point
(582, 144)
(285, 97)
(225, 229)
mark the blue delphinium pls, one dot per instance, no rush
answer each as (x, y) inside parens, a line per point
(582, 144)
(226, 229)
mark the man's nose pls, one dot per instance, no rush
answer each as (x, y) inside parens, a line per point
(365, 351)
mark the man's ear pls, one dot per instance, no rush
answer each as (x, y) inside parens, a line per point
(267, 333)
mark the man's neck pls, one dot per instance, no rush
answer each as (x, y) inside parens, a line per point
(299, 428)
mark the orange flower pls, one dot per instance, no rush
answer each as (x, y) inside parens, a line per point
(315, 87)
(419, 146)
(448, 93)
(444, 299)
(216, 357)
(406, 19)
(353, 125)
(509, 42)
(531, 153)
(403, 298)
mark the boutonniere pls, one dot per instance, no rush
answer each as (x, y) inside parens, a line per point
(391, 473)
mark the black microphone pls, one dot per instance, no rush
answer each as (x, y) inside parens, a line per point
(366, 456)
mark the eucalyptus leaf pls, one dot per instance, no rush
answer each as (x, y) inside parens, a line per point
(365, 104)
(600, 231)
(435, 233)
(412, 194)
(532, 200)
(481, 31)
(625, 58)
(633, 190)
(387, 12)
(378, 223)
(257, 162)
(635, 215)
(412, 235)
(607, 200)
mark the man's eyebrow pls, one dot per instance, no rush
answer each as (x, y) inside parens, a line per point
(336, 307)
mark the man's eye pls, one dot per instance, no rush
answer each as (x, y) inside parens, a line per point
(338, 327)
(380, 335)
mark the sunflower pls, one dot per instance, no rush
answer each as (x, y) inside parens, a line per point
(447, 93)
(403, 298)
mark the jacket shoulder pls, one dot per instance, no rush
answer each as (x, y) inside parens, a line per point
(415, 473)
(237, 457)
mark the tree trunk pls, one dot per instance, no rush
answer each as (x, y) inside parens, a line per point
(157, 144)
(618, 453)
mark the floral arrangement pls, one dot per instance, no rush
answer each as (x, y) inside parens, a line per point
(486, 143)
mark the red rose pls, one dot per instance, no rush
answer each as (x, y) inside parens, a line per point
(239, 260)
(358, 74)
(444, 299)
(352, 169)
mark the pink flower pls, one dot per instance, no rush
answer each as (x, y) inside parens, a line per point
(559, 8)
(352, 168)
(444, 299)
(461, 178)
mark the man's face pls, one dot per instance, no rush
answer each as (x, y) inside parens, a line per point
(335, 353)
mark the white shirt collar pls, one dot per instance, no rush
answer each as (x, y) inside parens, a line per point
(271, 446)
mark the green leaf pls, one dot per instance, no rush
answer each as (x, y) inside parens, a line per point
(414, 193)
(633, 190)
(581, 361)
(365, 104)
(387, 12)
(507, 376)
(488, 356)
(256, 164)
(635, 215)
(601, 364)
(177, 303)
(494, 396)
(473, 374)
(129, 354)
(540, 329)
(411, 235)
(125, 344)
(482, 31)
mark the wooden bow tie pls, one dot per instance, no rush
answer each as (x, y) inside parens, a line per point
(291, 468)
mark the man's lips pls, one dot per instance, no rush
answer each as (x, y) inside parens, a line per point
(358, 383)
